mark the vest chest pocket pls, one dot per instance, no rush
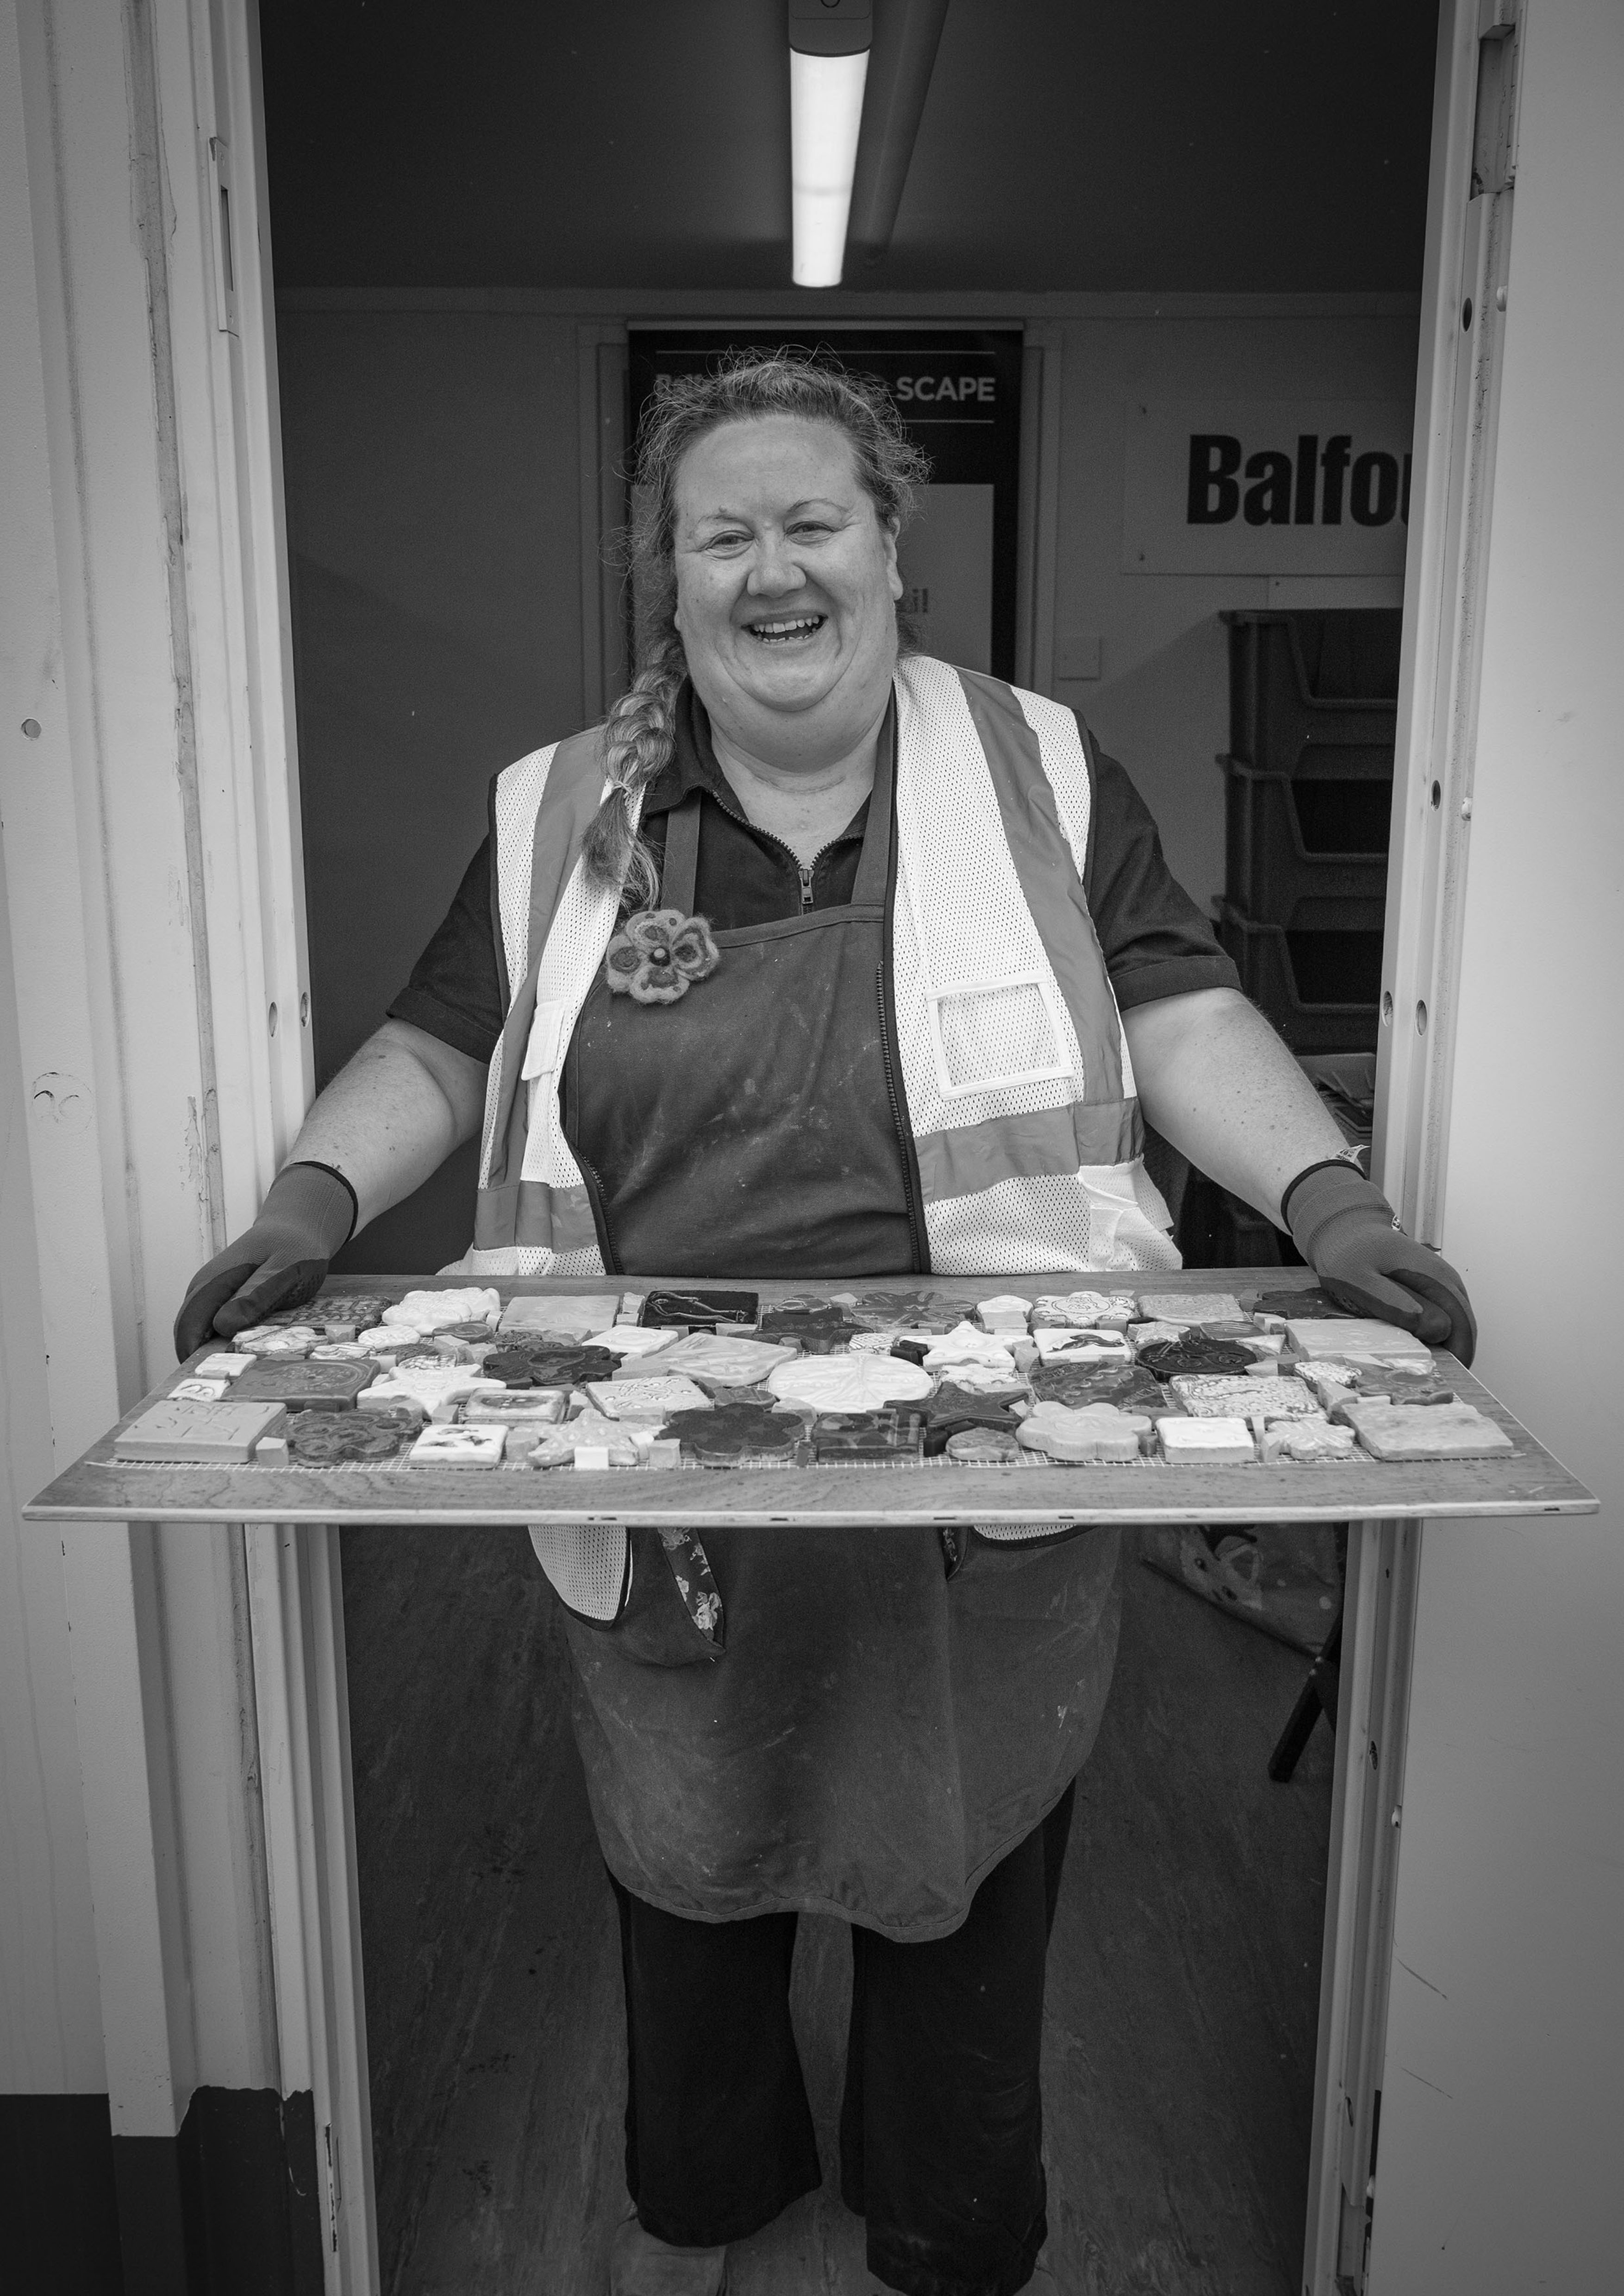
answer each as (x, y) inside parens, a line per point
(992, 1035)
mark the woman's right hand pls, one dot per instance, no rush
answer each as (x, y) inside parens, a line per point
(388, 1118)
(279, 1262)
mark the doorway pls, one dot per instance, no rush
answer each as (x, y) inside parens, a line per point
(436, 642)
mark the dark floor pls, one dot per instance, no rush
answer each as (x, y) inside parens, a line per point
(1183, 1980)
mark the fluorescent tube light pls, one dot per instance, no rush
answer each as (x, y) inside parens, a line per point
(826, 114)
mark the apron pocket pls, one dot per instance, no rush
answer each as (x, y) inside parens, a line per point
(673, 1612)
(652, 1589)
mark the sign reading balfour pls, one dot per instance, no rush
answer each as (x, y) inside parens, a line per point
(1309, 486)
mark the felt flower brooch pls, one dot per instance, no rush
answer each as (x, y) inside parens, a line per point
(657, 954)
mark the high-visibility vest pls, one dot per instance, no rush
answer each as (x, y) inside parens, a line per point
(1014, 1065)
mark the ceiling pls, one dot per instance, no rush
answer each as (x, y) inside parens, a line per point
(1266, 146)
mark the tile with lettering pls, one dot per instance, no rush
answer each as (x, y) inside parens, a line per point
(224, 1433)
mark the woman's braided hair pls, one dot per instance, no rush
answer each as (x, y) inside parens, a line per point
(639, 733)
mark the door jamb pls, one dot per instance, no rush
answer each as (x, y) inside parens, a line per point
(1469, 215)
(298, 1626)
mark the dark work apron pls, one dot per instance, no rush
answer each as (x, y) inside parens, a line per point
(874, 1734)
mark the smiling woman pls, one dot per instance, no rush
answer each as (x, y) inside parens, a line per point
(766, 561)
(823, 958)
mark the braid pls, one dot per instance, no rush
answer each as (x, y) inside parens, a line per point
(639, 737)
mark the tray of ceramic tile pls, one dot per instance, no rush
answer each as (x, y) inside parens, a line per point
(1200, 1397)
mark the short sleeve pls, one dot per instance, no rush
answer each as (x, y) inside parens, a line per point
(455, 991)
(1156, 941)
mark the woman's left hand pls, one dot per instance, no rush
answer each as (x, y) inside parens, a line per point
(1345, 1228)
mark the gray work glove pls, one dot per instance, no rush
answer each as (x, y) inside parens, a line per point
(279, 1262)
(1346, 1230)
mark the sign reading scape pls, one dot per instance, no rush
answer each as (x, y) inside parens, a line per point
(924, 389)
(1305, 488)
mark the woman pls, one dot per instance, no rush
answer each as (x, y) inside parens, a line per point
(928, 965)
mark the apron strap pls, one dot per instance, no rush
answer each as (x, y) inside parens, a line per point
(873, 867)
(679, 877)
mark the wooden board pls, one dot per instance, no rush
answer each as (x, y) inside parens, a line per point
(1527, 1482)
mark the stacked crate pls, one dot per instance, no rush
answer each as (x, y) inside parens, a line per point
(1308, 786)
(1308, 798)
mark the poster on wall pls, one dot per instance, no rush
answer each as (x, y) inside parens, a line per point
(1266, 487)
(959, 395)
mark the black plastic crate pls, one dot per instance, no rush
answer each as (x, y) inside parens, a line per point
(1280, 854)
(1320, 985)
(1350, 820)
(1317, 690)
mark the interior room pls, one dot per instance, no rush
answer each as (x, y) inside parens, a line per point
(1178, 255)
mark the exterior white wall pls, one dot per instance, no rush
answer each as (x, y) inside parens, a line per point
(50, 1999)
(146, 1097)
(1500, 2119)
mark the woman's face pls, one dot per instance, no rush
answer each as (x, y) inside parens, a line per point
(787, 588)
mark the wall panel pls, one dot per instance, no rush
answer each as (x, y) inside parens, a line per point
(433, 495)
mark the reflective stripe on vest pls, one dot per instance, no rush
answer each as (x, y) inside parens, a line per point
(531, 1195)
(1015, 1070)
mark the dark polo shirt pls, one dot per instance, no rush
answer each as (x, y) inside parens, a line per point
(1156, 941)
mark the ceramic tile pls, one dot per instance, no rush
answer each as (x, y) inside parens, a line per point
(1206, 1442)
(223, 1431)
(458, 1447)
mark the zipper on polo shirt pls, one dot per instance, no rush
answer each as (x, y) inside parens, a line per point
(804, 869)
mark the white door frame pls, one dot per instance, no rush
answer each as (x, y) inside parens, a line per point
(235, 843)
(1469, 204)
(154, 886)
